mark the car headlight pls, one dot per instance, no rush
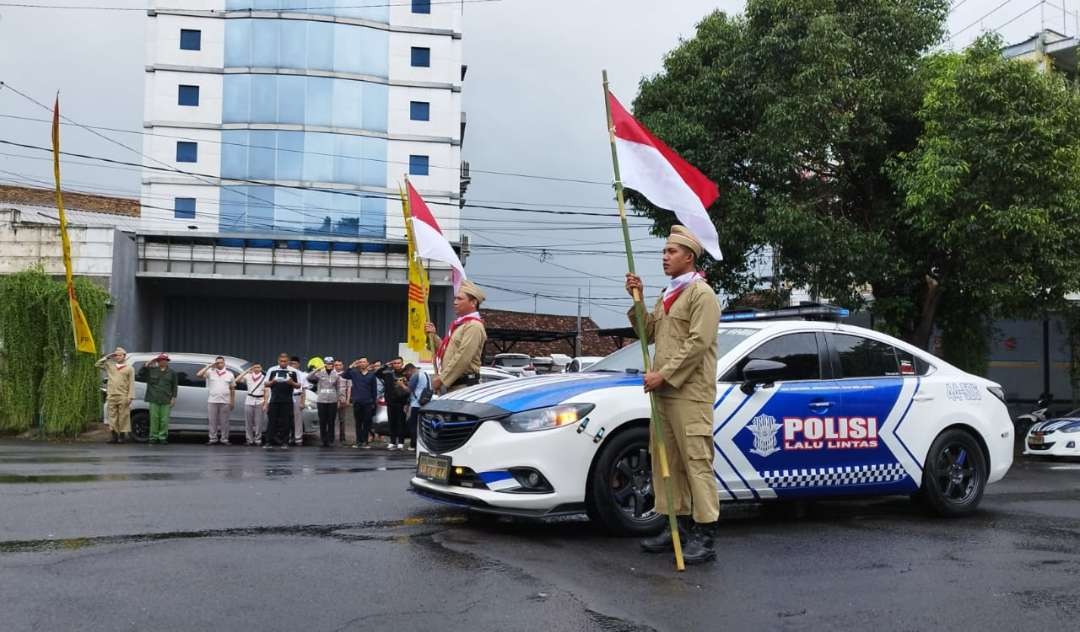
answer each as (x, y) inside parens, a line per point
(546, 418)
(997, 392)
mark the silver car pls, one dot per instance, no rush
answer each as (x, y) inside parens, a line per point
(189, 413)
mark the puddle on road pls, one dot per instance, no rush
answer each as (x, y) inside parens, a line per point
(350, 532)
(228, 474)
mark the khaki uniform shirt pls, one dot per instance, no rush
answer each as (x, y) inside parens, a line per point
(121, 383)
(463, 352)
(685, 340)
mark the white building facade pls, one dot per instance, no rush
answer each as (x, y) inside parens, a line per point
(277, 134)
(301, 120)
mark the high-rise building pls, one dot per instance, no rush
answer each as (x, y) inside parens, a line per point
(277, 133)
(309, 111)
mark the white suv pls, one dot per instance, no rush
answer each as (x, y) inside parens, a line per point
(803, 409)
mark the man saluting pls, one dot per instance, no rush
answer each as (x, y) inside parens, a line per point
(683, 324)
(457, 356)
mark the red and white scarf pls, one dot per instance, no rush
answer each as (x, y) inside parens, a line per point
(450, 334)
(676, 287)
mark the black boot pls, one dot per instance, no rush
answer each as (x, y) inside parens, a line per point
(123, 437)
(662, 542)
(115, 437)
(699, 546)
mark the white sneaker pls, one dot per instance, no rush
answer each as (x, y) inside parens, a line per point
(392, 446)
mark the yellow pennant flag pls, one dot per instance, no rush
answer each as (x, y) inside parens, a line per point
(418, 292)
(84, 339)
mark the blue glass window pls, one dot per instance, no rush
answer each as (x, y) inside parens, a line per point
(420, 110)
(265, 43)
(264, 99)
(418, 165)
(190, 39)
(184, 208)
(188, 95)
(421, 57)
(421, 6)
(187, 151)
(234, 153)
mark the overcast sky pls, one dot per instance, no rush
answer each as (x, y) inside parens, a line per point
(532, 96)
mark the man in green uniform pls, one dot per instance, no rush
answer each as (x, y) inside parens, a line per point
(119, 393)
(160, 395)
(683, 325)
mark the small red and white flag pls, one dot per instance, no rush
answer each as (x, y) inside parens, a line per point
(430, 242)
(654, 170)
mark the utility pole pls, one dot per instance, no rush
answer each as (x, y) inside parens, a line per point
(534, 304)
(577, 339)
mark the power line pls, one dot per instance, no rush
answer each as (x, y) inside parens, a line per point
(86, 7)
(986, 15)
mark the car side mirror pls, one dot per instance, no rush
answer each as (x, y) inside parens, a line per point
(763, 372)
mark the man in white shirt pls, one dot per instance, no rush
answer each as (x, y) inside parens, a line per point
(299, 397)
(221, 396)
(254, 414)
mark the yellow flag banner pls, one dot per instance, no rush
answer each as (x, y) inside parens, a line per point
(418, 292)
(80, 328)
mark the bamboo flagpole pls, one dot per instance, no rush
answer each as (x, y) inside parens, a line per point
(80, 328)
(639, 320)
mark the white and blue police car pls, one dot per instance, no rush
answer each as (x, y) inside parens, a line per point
(806, 407)
(1057, 437)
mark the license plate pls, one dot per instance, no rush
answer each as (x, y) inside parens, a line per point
(433, 468)
(1035, 440)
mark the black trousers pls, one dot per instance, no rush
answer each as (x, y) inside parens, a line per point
(414, 416)
(279, 422)
(395, 414)
(363, 415)
(327, 414)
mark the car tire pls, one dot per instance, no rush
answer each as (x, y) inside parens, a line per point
(619, 494)
(954, 475)
(140, 426)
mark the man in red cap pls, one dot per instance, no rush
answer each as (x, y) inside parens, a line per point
(160, 395)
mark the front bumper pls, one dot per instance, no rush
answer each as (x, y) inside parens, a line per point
(561, 455)
(1054, 444)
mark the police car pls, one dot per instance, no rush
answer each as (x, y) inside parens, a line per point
(1059, 436)
(806, 407)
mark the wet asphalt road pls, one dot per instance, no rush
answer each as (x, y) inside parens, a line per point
(185, 537)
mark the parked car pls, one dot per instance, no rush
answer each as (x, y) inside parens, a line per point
(544, 365)
(518, 364)
(581, 364)
(804, 409)
(381, 424)
(1059, 436)
(189, 413)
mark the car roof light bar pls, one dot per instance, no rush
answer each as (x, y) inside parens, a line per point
(806, 311)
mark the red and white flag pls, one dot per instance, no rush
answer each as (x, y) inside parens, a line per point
(430, 243)
(651, 168)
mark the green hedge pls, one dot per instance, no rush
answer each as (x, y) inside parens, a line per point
(40, 372)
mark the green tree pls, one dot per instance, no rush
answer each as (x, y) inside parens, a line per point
(810, 115)
(991, 192)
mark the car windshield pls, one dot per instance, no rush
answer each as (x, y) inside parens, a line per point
(628, 359)
(511, 361)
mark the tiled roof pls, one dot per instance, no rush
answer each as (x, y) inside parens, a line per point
(591, 343)
(75, 201)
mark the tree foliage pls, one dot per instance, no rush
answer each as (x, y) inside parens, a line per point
(872, 166)
(40, 372)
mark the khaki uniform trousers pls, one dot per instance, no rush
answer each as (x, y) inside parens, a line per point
(118, 414)
(687, 428)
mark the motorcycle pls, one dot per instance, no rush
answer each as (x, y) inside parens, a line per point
(1023, 423)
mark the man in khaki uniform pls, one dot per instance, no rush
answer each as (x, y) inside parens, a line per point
(119, 393)
(457, 357)
(683, 324)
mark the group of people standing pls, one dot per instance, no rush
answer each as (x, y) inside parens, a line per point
(275, 398)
